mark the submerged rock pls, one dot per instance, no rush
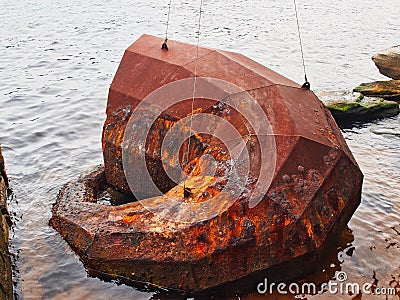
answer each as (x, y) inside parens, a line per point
(347, 107)
(6, 289)
(388, 62)
(389, 90)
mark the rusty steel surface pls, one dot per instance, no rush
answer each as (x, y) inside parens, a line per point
(314, 190)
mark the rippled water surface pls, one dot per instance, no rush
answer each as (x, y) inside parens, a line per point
(58, 59)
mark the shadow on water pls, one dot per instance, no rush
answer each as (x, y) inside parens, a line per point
(112, 197)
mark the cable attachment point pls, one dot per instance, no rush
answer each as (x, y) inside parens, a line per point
(164, 45)
(306, 85)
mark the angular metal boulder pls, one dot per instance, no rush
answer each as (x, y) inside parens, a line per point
(314, 190)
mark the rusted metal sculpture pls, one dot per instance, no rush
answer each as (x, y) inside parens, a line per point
(314, 189)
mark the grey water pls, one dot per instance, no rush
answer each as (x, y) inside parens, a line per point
(58, 59)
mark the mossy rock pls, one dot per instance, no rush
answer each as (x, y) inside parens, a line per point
(344, 106)
(347, 107)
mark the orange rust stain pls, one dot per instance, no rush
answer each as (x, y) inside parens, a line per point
(195, 111)
(287, 221)
(198, 186)
(118, 141)
(309, 229)
(332, 138)
(129, 219)
(168, 123)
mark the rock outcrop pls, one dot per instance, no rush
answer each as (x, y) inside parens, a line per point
(389, 90)
(6, 291)
(388, 62)
(348, 107)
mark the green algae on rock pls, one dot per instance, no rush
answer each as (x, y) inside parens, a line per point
(347, 107)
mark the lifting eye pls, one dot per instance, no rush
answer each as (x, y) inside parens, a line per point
(164, 45)
(306, 85)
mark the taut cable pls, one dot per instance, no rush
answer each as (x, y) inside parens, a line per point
(186, 192)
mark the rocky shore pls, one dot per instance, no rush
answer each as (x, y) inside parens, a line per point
(387, 89)
(348, 107)
(371, 100)
(6, 291)
(388, 64)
